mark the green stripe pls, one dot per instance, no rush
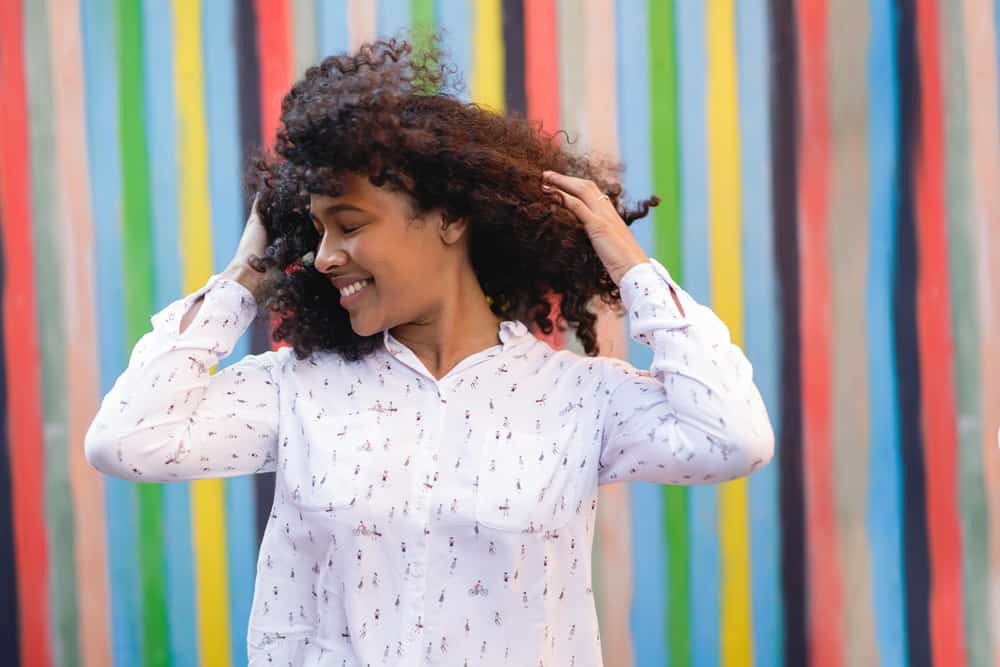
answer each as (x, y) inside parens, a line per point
(667, 245)
(421, 21)
(45, 219)
(965, 324)
(137, 246)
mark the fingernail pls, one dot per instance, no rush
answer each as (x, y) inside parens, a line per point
(546, 188)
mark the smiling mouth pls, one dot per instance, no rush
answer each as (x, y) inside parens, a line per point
(354, 288)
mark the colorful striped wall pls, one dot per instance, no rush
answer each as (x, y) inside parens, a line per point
(830, 176)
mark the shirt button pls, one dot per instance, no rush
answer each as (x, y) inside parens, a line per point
(416, 570)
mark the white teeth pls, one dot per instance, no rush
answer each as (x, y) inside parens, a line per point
(354, 288)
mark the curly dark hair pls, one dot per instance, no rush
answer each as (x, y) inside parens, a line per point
(392, 114)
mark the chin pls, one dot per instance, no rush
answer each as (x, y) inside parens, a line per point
(363, 328)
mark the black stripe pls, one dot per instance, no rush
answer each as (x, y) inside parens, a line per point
(904, 309)
(513, 42)
(9, 631)
(248, 71)
(784, 170)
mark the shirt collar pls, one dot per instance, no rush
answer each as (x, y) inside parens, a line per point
(510, 332)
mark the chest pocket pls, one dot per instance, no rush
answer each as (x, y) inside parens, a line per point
(530, 483)
(330, 461)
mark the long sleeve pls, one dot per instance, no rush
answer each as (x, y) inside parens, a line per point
(168, 418)
(696, 417)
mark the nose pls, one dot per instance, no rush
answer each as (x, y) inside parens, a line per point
(329, 256)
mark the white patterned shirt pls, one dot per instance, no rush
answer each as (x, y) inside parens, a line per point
(419, 521)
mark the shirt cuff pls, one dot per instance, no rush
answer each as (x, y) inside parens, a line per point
(228, 310)
(646, 294)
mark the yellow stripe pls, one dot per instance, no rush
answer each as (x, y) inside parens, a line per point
(207, 497)
(725, 203)
(487, 87)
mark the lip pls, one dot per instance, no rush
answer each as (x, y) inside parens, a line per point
(340, 282)
(349, 301)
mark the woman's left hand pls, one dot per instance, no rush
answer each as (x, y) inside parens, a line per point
(609, 234)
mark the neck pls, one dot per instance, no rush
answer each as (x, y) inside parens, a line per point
(457, 326)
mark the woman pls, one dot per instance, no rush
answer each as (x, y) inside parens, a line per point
(437, 464)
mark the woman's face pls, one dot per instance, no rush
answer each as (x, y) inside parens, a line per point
(386, 263)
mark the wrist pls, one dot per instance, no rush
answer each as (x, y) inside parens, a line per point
(244, 275)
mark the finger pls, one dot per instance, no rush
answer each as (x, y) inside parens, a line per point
(581, 188)
(575, 205)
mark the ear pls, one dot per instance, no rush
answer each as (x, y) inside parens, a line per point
(452, 230)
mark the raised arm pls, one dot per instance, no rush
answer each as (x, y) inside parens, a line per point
(696, 417)
(168, 418)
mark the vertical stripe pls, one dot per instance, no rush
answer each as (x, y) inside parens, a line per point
(331, 27)
(667, 246)
(362, 22)
(22, 349)
(761, 328)
(825, 619)
(848, 256)
(137, 249)
(703, 509)
(163, 168)
(904, 306)
(228, 213)
(207, 496)
(541, 56)
(572, 74)
(58, 509)
(964, 328)
(9, 616)
(304, 28)
(76, 243)
(421, 22)
(275, 69)
(725, 212)
(647, 613)
(513, 40)
(392, 18)
(487, 82)
(934, 344)
(885, 499)
(981, 76)
(454, 21)
(784, 177)
(103, 143)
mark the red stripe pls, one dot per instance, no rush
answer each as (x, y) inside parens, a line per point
(826, 604)
(541, 87)
(21, 349)
(275, 58)
(936, 350)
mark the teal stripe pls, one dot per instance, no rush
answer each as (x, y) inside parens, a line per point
(454, 21)
(965, 329)
(101, 85)
(703, 507)
(162, 142)
(392, 16)
(228, 215)
(885, 499)
(648, 613)
(45, 225)
(761, 327)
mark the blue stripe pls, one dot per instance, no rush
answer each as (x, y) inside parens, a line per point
(648, 614)
(331, 27)
(454, 22)
(228, 216)
(161, 143)
(885, 505)
(761, 323)
(392, 16)
(104, 152)
(703, 526)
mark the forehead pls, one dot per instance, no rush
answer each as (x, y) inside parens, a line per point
(358, 193)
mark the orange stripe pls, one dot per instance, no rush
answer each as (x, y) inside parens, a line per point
(21, 347)
(826, 605)
(936, 352)
(273, 25)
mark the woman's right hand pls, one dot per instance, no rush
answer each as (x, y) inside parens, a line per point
(253, 242)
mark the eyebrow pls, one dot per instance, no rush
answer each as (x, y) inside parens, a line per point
(338, 208)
